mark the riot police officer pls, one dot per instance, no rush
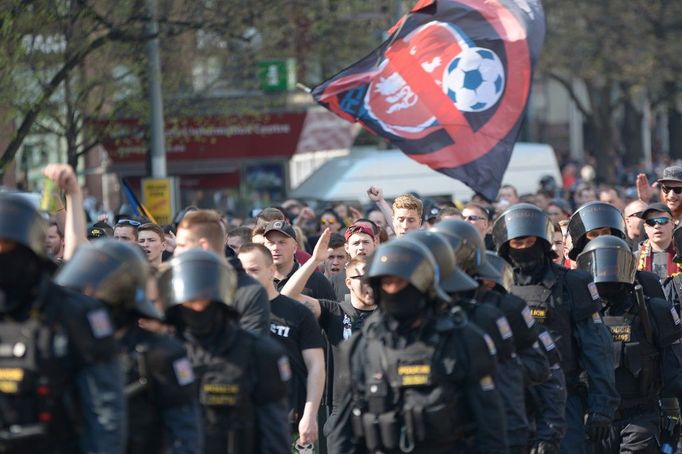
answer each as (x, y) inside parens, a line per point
(242, 377)
(468, 250)
(416, 381)
(160, 386)
(567, 303)
(646, 347)
(599, 218)
(60, 386)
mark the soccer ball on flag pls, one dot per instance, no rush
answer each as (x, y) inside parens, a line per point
(474, 79)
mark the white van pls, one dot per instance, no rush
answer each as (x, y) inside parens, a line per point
(348, 177)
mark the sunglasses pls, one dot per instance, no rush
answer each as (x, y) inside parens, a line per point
(474, 218)
(359, 276)
(660, 221)
(129, 222)
(676, 190)
(328, 221)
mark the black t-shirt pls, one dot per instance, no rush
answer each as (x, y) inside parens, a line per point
(293, 325)
(317, 286)
(339, 321)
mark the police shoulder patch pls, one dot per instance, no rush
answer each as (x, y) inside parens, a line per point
(284, 368)
(593, 291)
(183, 371)
(676, 316)
(547, 340)
(491, 344)
(487, 383)
(100, 324)
(503, 327)
(528, 317)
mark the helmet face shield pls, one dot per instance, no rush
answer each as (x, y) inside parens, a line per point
(22, 223)
(505, 272)
(591, 216)
(115, 271)
(519, 221)
(608, 259)
(470, 251)
(197, 275)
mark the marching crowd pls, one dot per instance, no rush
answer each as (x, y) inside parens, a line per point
(534, 324)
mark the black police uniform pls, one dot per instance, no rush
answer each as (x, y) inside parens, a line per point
(417, 381)
(646, 346)
(161, 393)
(159, 383)
(61, 389)
(242, 377)
(567, 304)
(469, 252)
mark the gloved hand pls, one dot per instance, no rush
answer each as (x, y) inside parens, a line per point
(597, 426)
(544, 447)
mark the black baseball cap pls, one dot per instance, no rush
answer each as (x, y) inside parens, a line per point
(281, 227)
(662, 207)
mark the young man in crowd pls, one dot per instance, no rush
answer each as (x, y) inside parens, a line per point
(54, 242)
(634, 229)
(280, 239)
(479, 217)
(558, 245)
(508, 194)
(339, 320)
(333, 266)
(126, 230)
(656, 253)
(407, 214)
(237, 236)
(202, 229)
(151, 239)
(294, 327)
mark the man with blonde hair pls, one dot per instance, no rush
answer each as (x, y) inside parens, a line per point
(407, 214)
(203, 229)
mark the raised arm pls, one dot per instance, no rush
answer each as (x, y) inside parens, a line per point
(297, 281)
(74, 225)
(376, 195)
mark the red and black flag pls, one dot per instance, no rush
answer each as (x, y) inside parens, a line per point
(449, 87)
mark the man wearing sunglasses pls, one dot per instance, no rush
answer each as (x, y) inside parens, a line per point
(656, 253)
(126, 230)
(670, 186)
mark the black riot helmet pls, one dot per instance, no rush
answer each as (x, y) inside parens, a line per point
(467, 245)
(22, 223)
(115, 271)
(452, 279)
(609, 260)
(593, 215)
(522, 220)
(197, 275)
(409, 260)
(504, 268)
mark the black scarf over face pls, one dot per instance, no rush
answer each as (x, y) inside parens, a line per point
(20, 273)
(404, 306)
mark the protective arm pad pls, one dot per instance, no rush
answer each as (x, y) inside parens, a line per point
(671, 365)
(535, 365)
(596, 357)
(488, 411)
(518, 314)
(584, 304)
(666, 321)
(100, 388)
(480, 360)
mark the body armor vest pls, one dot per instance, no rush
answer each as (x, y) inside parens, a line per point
(636, 360)
(36, 395)
(549, 306)
(412, 399)
(226, 383)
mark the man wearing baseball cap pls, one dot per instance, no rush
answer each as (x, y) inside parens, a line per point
(670, 186)
(656, 253)
(280, 239)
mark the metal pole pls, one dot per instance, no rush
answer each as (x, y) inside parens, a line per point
(157, 149)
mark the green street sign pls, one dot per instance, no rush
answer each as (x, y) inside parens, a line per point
(277, 75)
